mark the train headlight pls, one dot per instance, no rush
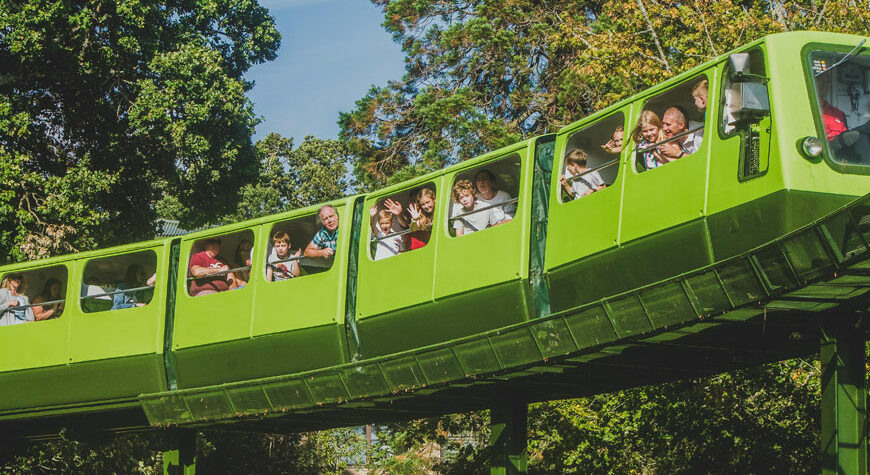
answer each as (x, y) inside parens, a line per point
(811, 147)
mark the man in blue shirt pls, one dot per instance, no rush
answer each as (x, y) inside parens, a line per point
(323, 243)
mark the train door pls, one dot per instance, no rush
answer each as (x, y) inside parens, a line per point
(397, 250)
(483, 250)
(31, 349)
(585, 192)
(747, 205)
(662, 230)
(117, 331)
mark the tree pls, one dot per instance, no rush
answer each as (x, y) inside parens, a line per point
(481, 74)
(314, 172)
(105, 106)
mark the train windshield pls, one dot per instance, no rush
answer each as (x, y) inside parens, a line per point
(842, 87)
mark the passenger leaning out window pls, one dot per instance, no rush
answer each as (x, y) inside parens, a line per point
(648, 133)
(422, 212)
(467, 221)
(324, 242)
(579, 181)
(385, 223)
(14, 305)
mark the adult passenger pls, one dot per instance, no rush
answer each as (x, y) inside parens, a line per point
(852, 144)
(488, 195)
(674, 122)
(324, 241)
(14, 306)
(50, 293)
(209, 270)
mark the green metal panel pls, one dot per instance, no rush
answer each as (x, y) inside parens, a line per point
(124, 332)
(99, 380)
(283, 326)
(493, 255)
(588, 225)
(664, 197)
(732, 290)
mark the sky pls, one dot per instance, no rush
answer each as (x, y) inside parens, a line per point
(332, 52)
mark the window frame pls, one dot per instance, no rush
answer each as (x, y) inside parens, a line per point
(639, 165)
(472, 170)
(111, 294)
(562, 163)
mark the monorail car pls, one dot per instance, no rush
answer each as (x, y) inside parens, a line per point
(766, 165)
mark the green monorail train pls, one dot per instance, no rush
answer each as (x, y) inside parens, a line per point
(772, 137)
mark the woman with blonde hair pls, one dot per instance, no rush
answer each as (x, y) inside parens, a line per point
(14, 306)
(647, 133)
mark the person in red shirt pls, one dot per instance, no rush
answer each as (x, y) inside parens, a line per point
(850, 145)
(209, 270)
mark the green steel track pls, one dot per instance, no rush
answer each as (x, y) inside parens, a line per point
(764, 305)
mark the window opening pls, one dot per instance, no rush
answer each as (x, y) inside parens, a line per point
(842, 84)
(211, 271)
(119, 282)
(402, 222)
(746, 110)
(485, 196)
(33, 295)
(592, 159)
(671, 125)
(288, 240)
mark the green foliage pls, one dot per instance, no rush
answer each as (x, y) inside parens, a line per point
(482, 74)
(107, 106)
(292, 178)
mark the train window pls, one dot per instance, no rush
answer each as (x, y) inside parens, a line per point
(484, 196)
(211, 269)
(402, 222)
(671, 125)
(591, 161)
(288, 240)
(843, 104)
(32, 295)
(746, 111)
(119, 282)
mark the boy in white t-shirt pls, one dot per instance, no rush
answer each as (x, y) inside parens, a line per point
(585, 183)
(278, 267)
(465, 197)
(386, 246)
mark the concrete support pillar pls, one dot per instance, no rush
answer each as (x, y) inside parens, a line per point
(182, 460)
(844, 399)
(508, 438)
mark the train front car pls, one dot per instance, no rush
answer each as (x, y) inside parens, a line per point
(716, 161)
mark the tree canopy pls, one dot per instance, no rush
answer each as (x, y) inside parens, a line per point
(481, 74)
(105, 106)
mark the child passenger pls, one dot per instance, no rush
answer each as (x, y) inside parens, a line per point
(614, 145)
(386, 225)
(648, 132)
(584, 183)
(465, 197)
(278, 267)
